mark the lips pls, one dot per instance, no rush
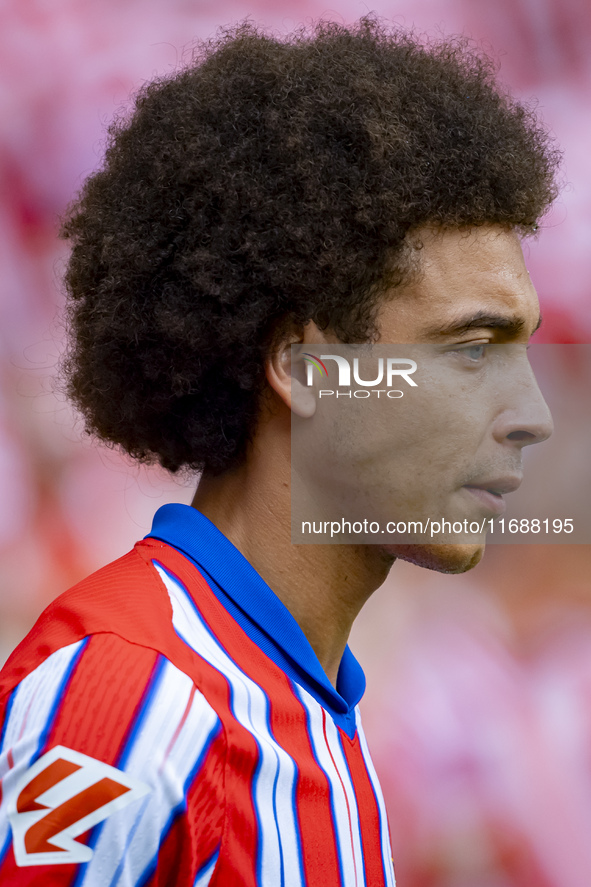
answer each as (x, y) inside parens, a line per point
(499, 486)
(490, 492)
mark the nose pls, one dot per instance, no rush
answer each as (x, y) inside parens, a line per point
(526, 419)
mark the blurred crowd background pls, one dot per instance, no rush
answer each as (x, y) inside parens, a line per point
(478, 707)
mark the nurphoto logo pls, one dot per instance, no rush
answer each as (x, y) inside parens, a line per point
(389, 370)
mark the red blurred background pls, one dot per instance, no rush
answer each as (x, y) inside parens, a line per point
(478, 708)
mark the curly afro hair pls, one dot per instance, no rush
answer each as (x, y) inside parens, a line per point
(273, 182)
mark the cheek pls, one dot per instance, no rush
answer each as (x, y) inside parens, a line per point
(401, 458)
(448, 430)
(426, 437)
(422, 443)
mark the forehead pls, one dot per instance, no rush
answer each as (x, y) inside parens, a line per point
(462, 274)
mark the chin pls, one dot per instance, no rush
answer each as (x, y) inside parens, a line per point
(442, 558)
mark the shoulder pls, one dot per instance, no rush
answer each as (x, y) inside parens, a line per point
(104, 664)
(119, 727)
(125, 598)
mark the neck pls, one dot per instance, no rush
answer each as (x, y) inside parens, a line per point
(323, 586)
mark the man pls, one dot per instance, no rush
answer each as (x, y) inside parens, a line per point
(188, 715)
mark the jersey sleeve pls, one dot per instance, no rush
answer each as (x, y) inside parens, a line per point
(111, 772)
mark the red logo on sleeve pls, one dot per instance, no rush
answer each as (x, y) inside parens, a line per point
(59, 798)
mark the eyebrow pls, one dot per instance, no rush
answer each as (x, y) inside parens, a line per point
(511, 325)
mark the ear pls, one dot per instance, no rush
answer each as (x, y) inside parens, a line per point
(286, 369)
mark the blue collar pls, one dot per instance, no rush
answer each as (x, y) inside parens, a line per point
(258, 610)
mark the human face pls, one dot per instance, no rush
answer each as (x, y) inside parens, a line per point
(453, 445)
(473, 289)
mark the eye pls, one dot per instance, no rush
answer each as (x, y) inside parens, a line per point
(474, 353)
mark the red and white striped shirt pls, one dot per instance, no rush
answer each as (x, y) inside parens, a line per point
(166, 722)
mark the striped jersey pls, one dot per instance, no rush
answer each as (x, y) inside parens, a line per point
(166, 722)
